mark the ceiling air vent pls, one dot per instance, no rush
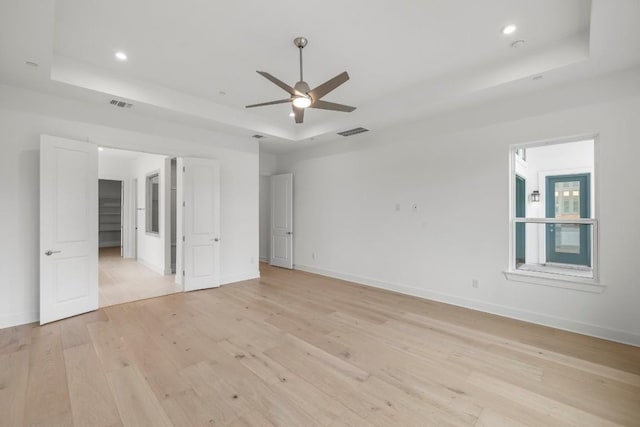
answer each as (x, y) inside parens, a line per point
(120, 104)
(353, 131)
(258, 136)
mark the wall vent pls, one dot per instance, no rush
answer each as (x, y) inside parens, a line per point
(353, 131)
(121, 104)
(258, 136)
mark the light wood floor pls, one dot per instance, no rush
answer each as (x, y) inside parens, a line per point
(296, 349)
(124, 280)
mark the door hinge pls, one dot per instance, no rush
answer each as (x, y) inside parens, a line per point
(183, 272)
(183, 238)
(184, 169)
(183, 205)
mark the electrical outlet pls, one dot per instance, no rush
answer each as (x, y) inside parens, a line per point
(313, 255)
(475, 283)
(415, 207)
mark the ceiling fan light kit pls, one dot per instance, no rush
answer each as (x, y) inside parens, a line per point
(301, 96)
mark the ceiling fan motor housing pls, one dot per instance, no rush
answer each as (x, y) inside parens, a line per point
(302, 87)
(300, 42)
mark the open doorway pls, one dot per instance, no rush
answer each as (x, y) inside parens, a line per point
(137, 233)
(70, 171)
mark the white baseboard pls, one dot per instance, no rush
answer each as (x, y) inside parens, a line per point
(264, 259)
(157, 269)
(616, 335)
(240, 277)
(18, 319)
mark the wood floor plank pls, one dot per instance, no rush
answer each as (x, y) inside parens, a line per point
(298, 349)
(91, 400)
(490, 418)
(15, 338)
(252, 419)
(320, 406)
(109, 345)
(14, 371)
(136, 403)
(47, 401)
(557, 411)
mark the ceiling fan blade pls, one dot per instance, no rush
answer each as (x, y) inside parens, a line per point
(324, 105)
(280, 83)
(280, 101)
(329, 85)
(299, 112)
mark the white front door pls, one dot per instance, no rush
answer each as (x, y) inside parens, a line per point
(282, 220)
(68, 228)
(200, 217)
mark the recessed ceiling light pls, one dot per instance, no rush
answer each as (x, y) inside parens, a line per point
(100, 149)
(509, 29)
(292, 114)
(31, 63)
(121, 56)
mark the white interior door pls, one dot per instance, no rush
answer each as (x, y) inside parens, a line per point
(200, 185)
(68, 228)
(282, 220)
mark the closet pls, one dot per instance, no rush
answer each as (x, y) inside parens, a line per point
(109, 213)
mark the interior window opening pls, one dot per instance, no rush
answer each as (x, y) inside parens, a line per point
(554, 228)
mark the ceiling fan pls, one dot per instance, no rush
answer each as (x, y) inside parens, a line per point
(301, 95)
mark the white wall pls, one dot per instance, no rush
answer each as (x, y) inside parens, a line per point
(268, 166)
(114, 167)
(268, 163)
(152, 247)
(25, 115)
(455, 169)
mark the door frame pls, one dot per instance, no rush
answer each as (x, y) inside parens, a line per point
(130, 199)
(125, 221)
(583, 258)
(520, 231)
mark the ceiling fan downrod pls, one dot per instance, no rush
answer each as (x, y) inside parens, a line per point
(300, 43)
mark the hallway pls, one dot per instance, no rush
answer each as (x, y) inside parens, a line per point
(125, 280)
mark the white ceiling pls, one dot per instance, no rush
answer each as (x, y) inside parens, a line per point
(407, 59)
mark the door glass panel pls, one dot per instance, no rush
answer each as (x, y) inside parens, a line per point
(567, 202)
(567, 238)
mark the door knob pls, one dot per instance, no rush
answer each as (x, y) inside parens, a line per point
(289, 232)
(50, 252)
(216, 240)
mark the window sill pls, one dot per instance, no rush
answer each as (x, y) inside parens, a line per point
(555, 280)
